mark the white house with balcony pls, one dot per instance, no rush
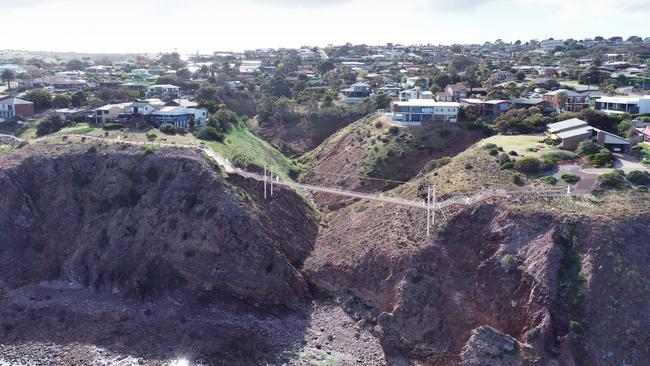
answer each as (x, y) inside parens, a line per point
(624, 104)
(414, 112)
(179, 116)
(415, 93)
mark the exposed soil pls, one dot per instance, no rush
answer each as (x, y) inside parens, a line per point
(370, 156)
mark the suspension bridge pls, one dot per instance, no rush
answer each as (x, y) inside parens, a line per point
(431, 204)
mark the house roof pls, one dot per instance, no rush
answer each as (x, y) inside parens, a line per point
(580, 131)
(610, 138)
(569, 124)
(457, 87)
(527, 101)
(14, 101)
(426, 103)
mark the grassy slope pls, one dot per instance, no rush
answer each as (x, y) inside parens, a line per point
(240, 145)
(244, 148)
(372, 148)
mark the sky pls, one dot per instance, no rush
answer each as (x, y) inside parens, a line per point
(188, 26)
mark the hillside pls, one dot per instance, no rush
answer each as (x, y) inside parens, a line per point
(373, 154)
(163, 243)
(144, 258)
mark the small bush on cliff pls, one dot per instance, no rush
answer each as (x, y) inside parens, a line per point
(508, 263)
(638, 177)
(528, 164)
(570, 178)
(551, 180)
(611, 180)
(209, 133)
(147, 150)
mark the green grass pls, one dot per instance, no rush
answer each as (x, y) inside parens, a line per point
(6, 149)
(522, 144)
(243, 148)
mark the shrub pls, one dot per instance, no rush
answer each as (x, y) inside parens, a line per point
(508, 263)
(570, 178)
(638, 177)
(503, 158)
(576, 327)
(602, 159)
(507, 165)
(611, 180)
(151, 136)
(210, 134)
(393, 130)
(436, 164)
(490, 146)
(517, 179)
(378, 124)
(112, 126)
(468, 166)
(551, 180)
(559, 155)
(51, 124)
(147, 150)
(528, 164)
(494, 152)
(168, 128)
(513, 153)
(587, 147)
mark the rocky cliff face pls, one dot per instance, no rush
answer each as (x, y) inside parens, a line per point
(542, 280)
(147, 226)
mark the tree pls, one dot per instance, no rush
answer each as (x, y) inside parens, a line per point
(8, 76)
(61, 101)
(326, 66)
(635, 39)
(75, 65)
(78, 99)
(279, 86)
(520, 75)
(41, 98)
(624, 128)
(382, 100)
(561, 100)
(51, 124)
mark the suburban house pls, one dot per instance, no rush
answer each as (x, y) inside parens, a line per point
(573, 131)
(488, 108)
(574, 101)
(179, 116)
(250, 66)
(624, 104)
(71, 114)
(457, 91)
(443, 96)
(11, 107)
(525, 103)
(107, 113)
(389, 90)
(163, 90)
(414, 112)
(415, 93)
(181, 102)
(356, 93)
(138, 110)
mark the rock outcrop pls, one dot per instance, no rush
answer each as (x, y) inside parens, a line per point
(147, 226)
